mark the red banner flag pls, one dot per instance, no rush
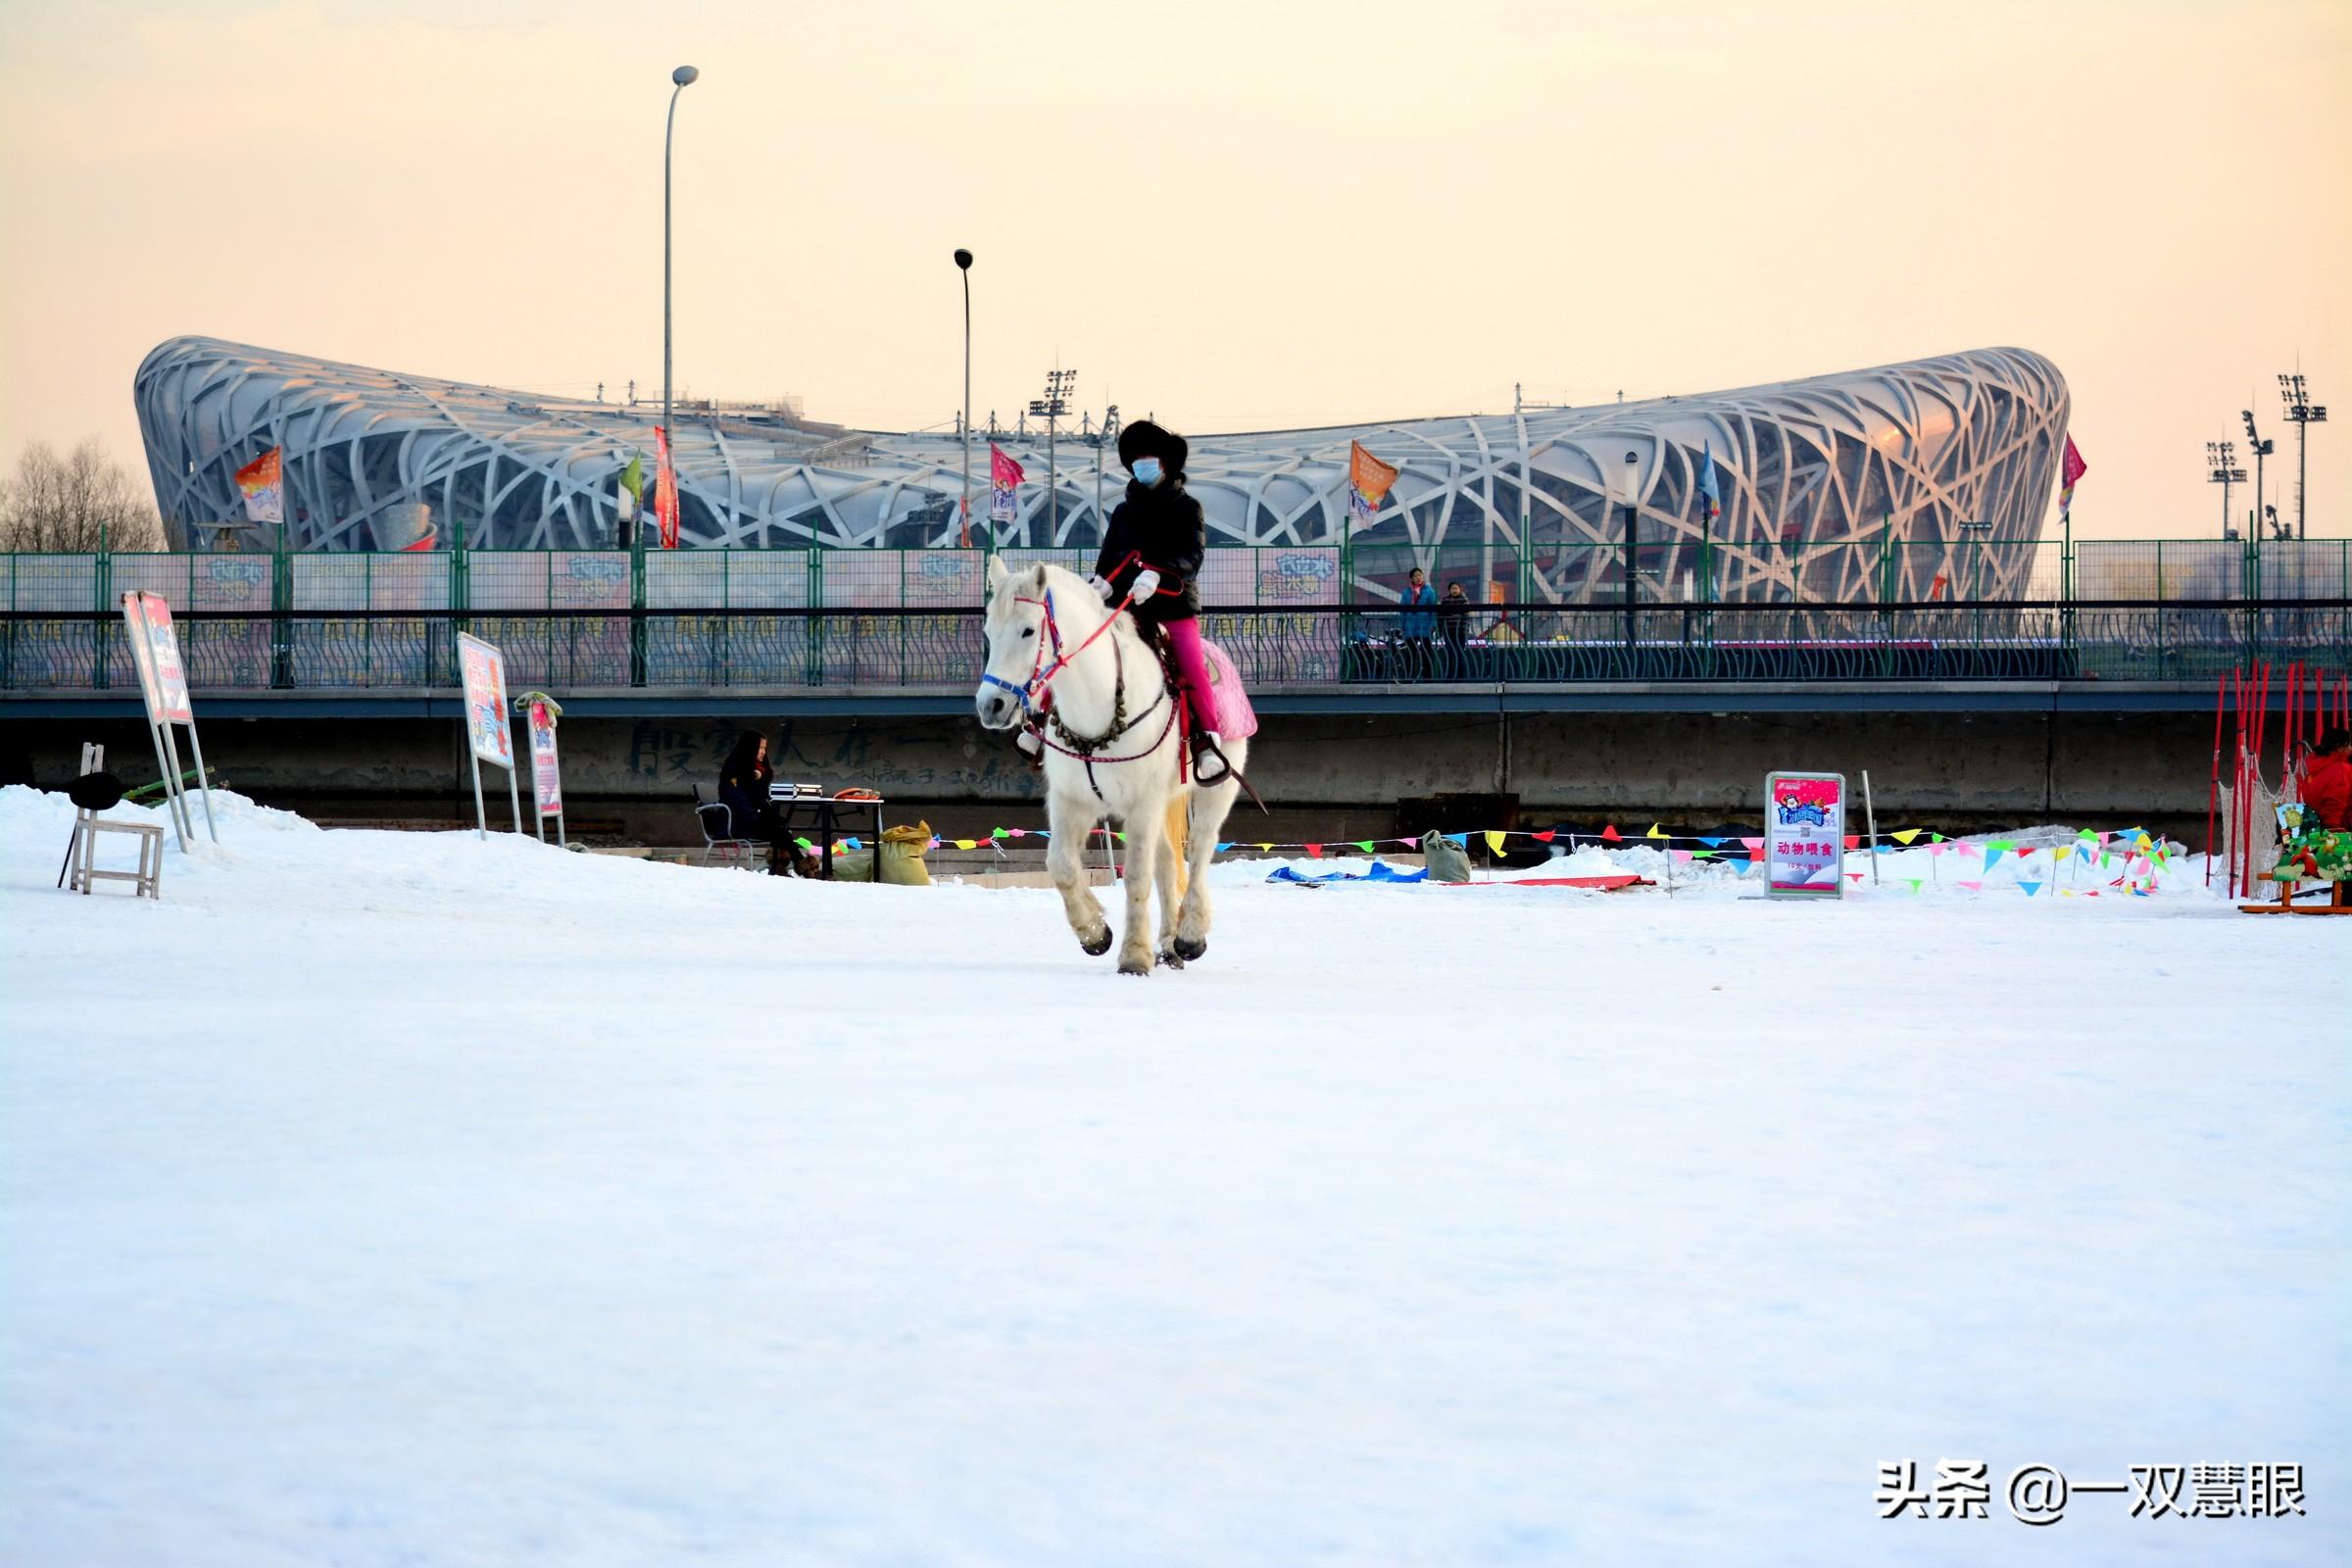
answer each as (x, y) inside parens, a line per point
(665, 490)
(2070, 470)
(262, 481)
(1369, 478)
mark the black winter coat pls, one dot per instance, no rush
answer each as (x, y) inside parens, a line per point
(1163, 525)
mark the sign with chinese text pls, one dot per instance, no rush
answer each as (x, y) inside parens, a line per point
(547, 779)
(155, 650)
(485, 673)
(1805, 834)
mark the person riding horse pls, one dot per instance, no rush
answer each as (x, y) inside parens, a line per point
(1154, 548)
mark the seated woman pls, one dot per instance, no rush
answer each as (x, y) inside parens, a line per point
(742, 781)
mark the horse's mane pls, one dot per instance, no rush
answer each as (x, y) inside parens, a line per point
(1069, 587)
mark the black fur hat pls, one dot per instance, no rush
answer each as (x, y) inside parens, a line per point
(1143, 439)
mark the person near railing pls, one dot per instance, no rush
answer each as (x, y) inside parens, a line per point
(1417, 626)
(1153, 549)
(1453, 626)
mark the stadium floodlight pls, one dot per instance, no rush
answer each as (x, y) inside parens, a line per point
(2302, 413)
(1054, 406)
(2261, 450)
(2220, 467)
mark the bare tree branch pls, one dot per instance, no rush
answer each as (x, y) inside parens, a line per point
(74, 502)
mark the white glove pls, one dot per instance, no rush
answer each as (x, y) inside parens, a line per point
(1101, 585)
(1146, 583)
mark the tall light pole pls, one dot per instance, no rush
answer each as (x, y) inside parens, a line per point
(683, 78)
(1629, 491)
(963, 265)
(2221, 463)
(2302, 413)
(1051, 408)
(2262, 449)
(1104, 438)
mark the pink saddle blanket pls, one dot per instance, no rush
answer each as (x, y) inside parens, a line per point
(1237, 720)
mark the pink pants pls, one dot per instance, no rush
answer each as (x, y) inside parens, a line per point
(1191, 669)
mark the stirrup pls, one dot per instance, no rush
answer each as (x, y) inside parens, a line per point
(1210, 764)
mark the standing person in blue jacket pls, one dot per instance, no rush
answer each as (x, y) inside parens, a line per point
(1417, 626)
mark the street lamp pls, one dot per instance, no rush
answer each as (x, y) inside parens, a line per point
(2221, 464)
(683, 78)
(1627, 488)
(2302, 413)
(2262, 449)
(963, 265)
(1052, 407)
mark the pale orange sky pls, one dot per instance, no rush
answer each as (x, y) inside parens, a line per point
(1233, 215)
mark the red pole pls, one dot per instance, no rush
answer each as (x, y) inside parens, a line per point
(2212, 790)
(2288, 723)
(2238, 786)
(2262, 733)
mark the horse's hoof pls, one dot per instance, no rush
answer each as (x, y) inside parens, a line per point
(1096, 947)
(1135, 964)
(1189, 950)
(1170, 958)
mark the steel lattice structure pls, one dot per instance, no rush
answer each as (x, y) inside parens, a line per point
(1816, 477)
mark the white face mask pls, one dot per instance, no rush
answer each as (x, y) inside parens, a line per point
(1147, 471)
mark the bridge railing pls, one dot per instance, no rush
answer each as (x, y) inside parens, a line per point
(804, 647)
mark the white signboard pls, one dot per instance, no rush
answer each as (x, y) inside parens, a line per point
(1804, 835)
(164, 687)
(489, 736)
(155, 650)
(547, 779)
(485, 673)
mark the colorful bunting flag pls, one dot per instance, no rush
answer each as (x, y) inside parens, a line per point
(1905, 835)
(1493, 841)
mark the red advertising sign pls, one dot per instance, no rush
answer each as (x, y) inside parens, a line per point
(546, 780)
(1805, 834)
(155, 650)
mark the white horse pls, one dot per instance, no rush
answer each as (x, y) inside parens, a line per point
(1112, 738)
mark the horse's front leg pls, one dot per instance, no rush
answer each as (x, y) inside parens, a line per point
(1065, 859)
(1144, 833)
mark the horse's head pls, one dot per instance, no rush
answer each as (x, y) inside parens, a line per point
(1016, 634)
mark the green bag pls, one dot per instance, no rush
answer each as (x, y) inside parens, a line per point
(1447, 860)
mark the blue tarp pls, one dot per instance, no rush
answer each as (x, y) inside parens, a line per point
(1380, 873)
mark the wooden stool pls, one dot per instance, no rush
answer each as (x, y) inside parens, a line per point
(81, 854)
(149, 877)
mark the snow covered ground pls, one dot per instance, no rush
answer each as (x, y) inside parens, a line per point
(402, 1199)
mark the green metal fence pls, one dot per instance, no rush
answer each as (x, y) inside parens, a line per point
(866, 618)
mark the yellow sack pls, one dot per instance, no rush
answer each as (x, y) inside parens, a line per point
(899, 859)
